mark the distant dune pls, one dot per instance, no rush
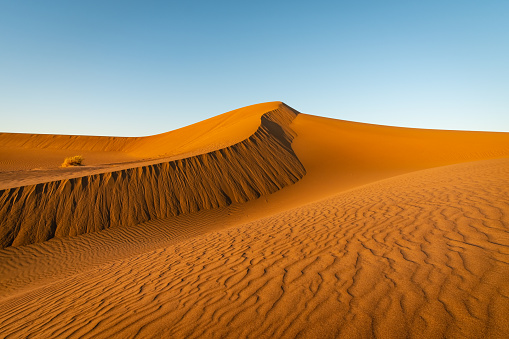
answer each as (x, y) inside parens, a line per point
(261, 222)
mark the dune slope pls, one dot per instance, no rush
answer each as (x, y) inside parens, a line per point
(424, 254)
(259, 165)
(340, 154)
(263, 223)
(21, 152)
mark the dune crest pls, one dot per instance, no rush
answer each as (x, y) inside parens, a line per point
(259, 165)
(23, 151)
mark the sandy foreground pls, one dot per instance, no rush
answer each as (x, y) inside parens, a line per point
(261, 222)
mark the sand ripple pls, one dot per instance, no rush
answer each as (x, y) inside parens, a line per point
(424, 254)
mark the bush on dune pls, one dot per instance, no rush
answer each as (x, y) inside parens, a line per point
(76, 160)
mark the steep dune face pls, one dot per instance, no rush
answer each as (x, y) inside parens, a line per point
(259, 165)
(340, 155)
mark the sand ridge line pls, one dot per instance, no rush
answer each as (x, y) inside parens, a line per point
(204, 137)
(259, 165)
(26, 151)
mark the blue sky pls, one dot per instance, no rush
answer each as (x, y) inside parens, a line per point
(136, 68)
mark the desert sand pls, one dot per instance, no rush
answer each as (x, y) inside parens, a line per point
(261, 222)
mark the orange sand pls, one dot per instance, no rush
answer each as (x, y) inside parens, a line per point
(257, 223)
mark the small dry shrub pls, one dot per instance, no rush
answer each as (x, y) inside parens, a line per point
(76, 160)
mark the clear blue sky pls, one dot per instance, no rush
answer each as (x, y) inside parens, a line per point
(145, 67)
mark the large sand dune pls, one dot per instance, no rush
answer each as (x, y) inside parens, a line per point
(260, 222)
(261, 164)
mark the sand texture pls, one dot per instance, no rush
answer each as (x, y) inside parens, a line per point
(290, 226)
(259, 165)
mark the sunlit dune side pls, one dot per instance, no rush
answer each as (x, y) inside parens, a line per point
(424, 254)
(261, 222)
(261, 164)
(20, 151)
(340, 154)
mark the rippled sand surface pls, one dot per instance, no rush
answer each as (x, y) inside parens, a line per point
(383, 232)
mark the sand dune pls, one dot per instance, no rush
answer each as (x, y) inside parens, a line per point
(20, 151)
(259, 165)
(414, 255)
(262, 223)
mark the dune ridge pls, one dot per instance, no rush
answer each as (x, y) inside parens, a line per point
(22, 151)
(358, 231)
(259, 165)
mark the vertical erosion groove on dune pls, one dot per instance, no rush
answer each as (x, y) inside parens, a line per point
(261, 164)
